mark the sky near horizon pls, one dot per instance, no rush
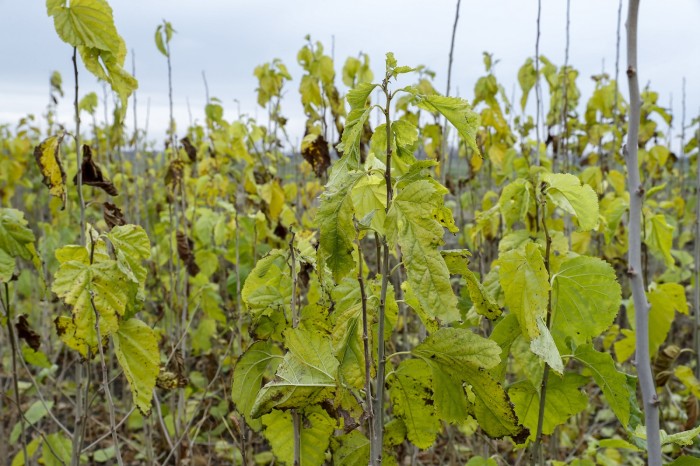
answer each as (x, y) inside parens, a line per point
(227, 39)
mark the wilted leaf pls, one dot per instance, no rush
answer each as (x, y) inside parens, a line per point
(314, 149)
(25, 332)
(48, 157)
(113, 215)
(92, 174)
(185, 250)
(189, 149)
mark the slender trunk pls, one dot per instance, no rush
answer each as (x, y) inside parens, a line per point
(367, 352)
(378, 440)
(296, 417)
(641, 305)
(538, 89)
(445, 146)
(696, 290)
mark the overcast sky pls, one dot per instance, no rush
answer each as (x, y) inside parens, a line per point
(227, 39)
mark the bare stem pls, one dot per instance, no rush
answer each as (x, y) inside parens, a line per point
(296, 418)
(641, 305)
(365, 344)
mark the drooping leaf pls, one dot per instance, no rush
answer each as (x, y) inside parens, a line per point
(314, 149)
(585, 299)
(525, 283)
(515, 201)
(185, 250)
(493, 408)
(26, 333)
(32, 415)
(259, 358)
(349, 146)
(112, 215)
(337, 231)
(92, 174)
(458, 112)
(16, 240)
(48, 157)
(316, 429)
(665, 300)
(132, 247)
(306, 375)
(7, 266)
(564, 399)
(369, 198)
(658, 235)
(609, 379)
(527, 77)
(268, 286)
(567, 192)
(544, 347)
(411, 222)
(412, 400)
(57, 450)
(136, 347)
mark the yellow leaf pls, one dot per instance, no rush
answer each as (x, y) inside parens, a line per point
(49, 160)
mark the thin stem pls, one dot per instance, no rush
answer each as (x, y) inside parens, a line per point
(537, 445)
(616, 120)
(696, 290)
(105, 385)
(378, 438)
(296, 418)
(445, 149)
(365, 345)
(79, 401)
(538, 89)
(641, 305)
(15, 381)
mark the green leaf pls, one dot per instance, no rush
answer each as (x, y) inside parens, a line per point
(410, 388)
(585, 299)
(369, 197)
(37, 411)
(458, 112)
(136, 347)
(684, 439)
(269, 285)
(259, 358)
(336, 228)
(77, 282)
(57, 450)
(306, 375)
(544, 347)
(564, 399)
(609, 379)
(567, 192)
(132, 247)
(664, 301)
(89, 26)
(412, 222)
(357, 97)
(7, 266)
(685, 461)
(350, 145)
(16, 238)
(316, 429)
(457, 347)
(481, 298)
(514, 202)
(493, 408)
(85, 22)
(346, 334)
(527, 77)
(352, 449)
(525, 283)
(658, 235)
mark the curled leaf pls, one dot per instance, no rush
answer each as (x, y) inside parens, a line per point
(92, 174)
(113, 215)
(189, 149)
(314, 149)
(25, 332)
(185, 249)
